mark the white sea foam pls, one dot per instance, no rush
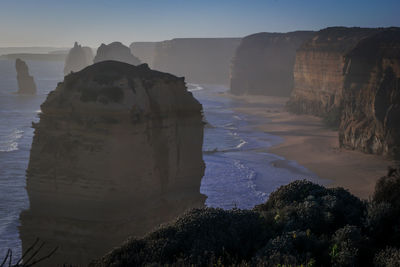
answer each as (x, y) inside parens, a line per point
(10, 142)
(242, 143)
(194, 87)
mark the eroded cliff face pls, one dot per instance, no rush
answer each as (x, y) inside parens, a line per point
(318, 71)
(145, 51)
(115, 51)
(263, 64)
(117, 151)
(26, 84)
(78, 58)
(371, 95)
(199, 60)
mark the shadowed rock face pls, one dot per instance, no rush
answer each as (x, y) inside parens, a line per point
(26, 84)
(115, 51)
(263, 64)
(371, 95)
(145, 51)
(318, 70)
(78, 58)
(117, 151)
(199, 60)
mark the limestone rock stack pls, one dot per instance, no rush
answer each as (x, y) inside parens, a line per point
(117, 151)
(78, 58)
(318, 70)
(371, 96)
(263, 64)
(116, 51)
(26, 83)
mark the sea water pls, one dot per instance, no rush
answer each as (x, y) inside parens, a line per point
(239, 170)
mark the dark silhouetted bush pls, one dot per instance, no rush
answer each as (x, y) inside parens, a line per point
(387, 189)
(302, 224)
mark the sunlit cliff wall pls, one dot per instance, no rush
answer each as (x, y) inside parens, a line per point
(371, 96)
(319, 70)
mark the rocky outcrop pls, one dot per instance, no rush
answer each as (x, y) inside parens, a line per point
(199, 60)
(78, 58)
(117, 151)
(263, 64)
(371, 96)
(145, 51)
(115, 51)
(318, 70)
(26, 84)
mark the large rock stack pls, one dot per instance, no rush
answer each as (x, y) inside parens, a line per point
(117, 151)
(78, 58)
(115, 51)
(26, 83)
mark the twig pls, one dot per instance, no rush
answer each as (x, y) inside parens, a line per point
(27, 251)
(5, 259)
(43, 258)
(34, 254)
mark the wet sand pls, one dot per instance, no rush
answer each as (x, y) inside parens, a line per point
(308, 142)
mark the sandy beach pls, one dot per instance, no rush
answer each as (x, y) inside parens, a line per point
(308, 142)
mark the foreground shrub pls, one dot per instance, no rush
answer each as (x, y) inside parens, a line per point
(390, 257)
(387, 189)
(302, 205)
(302, 224)
(200, 237)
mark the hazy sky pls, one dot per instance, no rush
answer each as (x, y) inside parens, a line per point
(91, 22)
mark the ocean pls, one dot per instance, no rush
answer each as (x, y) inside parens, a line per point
(240, 173)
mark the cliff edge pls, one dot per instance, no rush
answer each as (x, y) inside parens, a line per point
(199, 60)
(371, 96)
(263, 63)
(318, 70)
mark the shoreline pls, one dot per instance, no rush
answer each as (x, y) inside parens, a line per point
(311, 144)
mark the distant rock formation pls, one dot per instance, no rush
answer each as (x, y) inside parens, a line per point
(26, 84)
(116, 51)
(263, 64)
(78, 58)
(117, 151)
(371, 95)
(318, 71)
(199, 60)
(145, 51)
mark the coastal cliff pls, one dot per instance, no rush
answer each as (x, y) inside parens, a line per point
(78, 58)
(117, 151)
(145, 51)
(371, 96)
(199, 60)
(263, 64)
(115, 51)
(26, 84)
(318, 70)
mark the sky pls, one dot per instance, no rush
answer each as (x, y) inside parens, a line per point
(92, 22)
